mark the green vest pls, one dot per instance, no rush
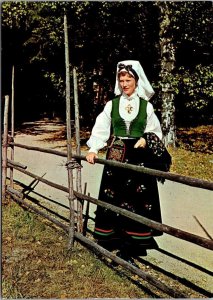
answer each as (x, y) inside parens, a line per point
(137, 126)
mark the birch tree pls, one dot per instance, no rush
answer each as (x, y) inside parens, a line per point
(167, 49)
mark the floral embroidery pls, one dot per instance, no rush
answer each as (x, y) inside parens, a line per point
(128, 182)
(116, 151)
(155, 144)
(148, 206)
(141, 188)
(160, 156)
(109, 173)
(109, 193)
(128, 206)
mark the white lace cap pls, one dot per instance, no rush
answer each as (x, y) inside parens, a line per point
(144, 88)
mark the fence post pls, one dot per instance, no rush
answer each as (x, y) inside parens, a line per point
(69, 142)
(4, 150)
(78, 151)
(12, 128)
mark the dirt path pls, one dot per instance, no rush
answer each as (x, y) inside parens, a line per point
(180, 204)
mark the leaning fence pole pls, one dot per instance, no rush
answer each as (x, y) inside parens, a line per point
(4, 148)
(69, 142)
(12, 127)
(78, 152)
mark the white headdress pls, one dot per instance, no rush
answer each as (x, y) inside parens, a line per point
(144, 88)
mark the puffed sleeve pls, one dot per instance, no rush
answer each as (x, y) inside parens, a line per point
(101, 130)
(153, 124)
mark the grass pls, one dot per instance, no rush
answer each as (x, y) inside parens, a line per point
(193, 164)
(193, 155)
(37, 264)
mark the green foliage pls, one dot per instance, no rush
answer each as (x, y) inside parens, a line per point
(14, 14)
(197, 86)
(101, 34)
(57, 82)
(188, 26)
(192, 21)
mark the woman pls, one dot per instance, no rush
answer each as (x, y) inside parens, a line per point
(136, 140)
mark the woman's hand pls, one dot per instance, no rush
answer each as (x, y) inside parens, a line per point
(140, 143)
(90, 157)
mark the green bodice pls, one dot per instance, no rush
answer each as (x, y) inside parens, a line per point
(137, 126)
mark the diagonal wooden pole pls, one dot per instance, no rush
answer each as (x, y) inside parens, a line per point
(69, 142)
(204, 229)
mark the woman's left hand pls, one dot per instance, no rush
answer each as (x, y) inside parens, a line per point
(91, 156)
(140, 143)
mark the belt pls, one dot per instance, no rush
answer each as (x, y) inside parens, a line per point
(125, 138)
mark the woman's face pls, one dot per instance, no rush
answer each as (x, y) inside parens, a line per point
(127, 83)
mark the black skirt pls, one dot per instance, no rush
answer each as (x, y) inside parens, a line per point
(131, 190)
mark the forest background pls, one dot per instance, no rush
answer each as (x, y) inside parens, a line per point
(172, 40)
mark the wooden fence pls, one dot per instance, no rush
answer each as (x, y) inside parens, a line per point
(18, 196)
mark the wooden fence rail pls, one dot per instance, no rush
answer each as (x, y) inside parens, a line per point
(203, 242)
(166, 175)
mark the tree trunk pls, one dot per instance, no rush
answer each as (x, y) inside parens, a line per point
(167, 65)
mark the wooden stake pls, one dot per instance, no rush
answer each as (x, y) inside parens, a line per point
(4, 148)
(12, 128)
(78, 151)
(86, 217)
(69, 142)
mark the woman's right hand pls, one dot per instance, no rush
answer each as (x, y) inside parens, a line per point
(90, 157)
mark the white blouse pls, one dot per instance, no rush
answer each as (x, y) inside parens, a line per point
(128, 109)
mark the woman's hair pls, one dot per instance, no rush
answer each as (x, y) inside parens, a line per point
(129, 69)
(123, 73)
